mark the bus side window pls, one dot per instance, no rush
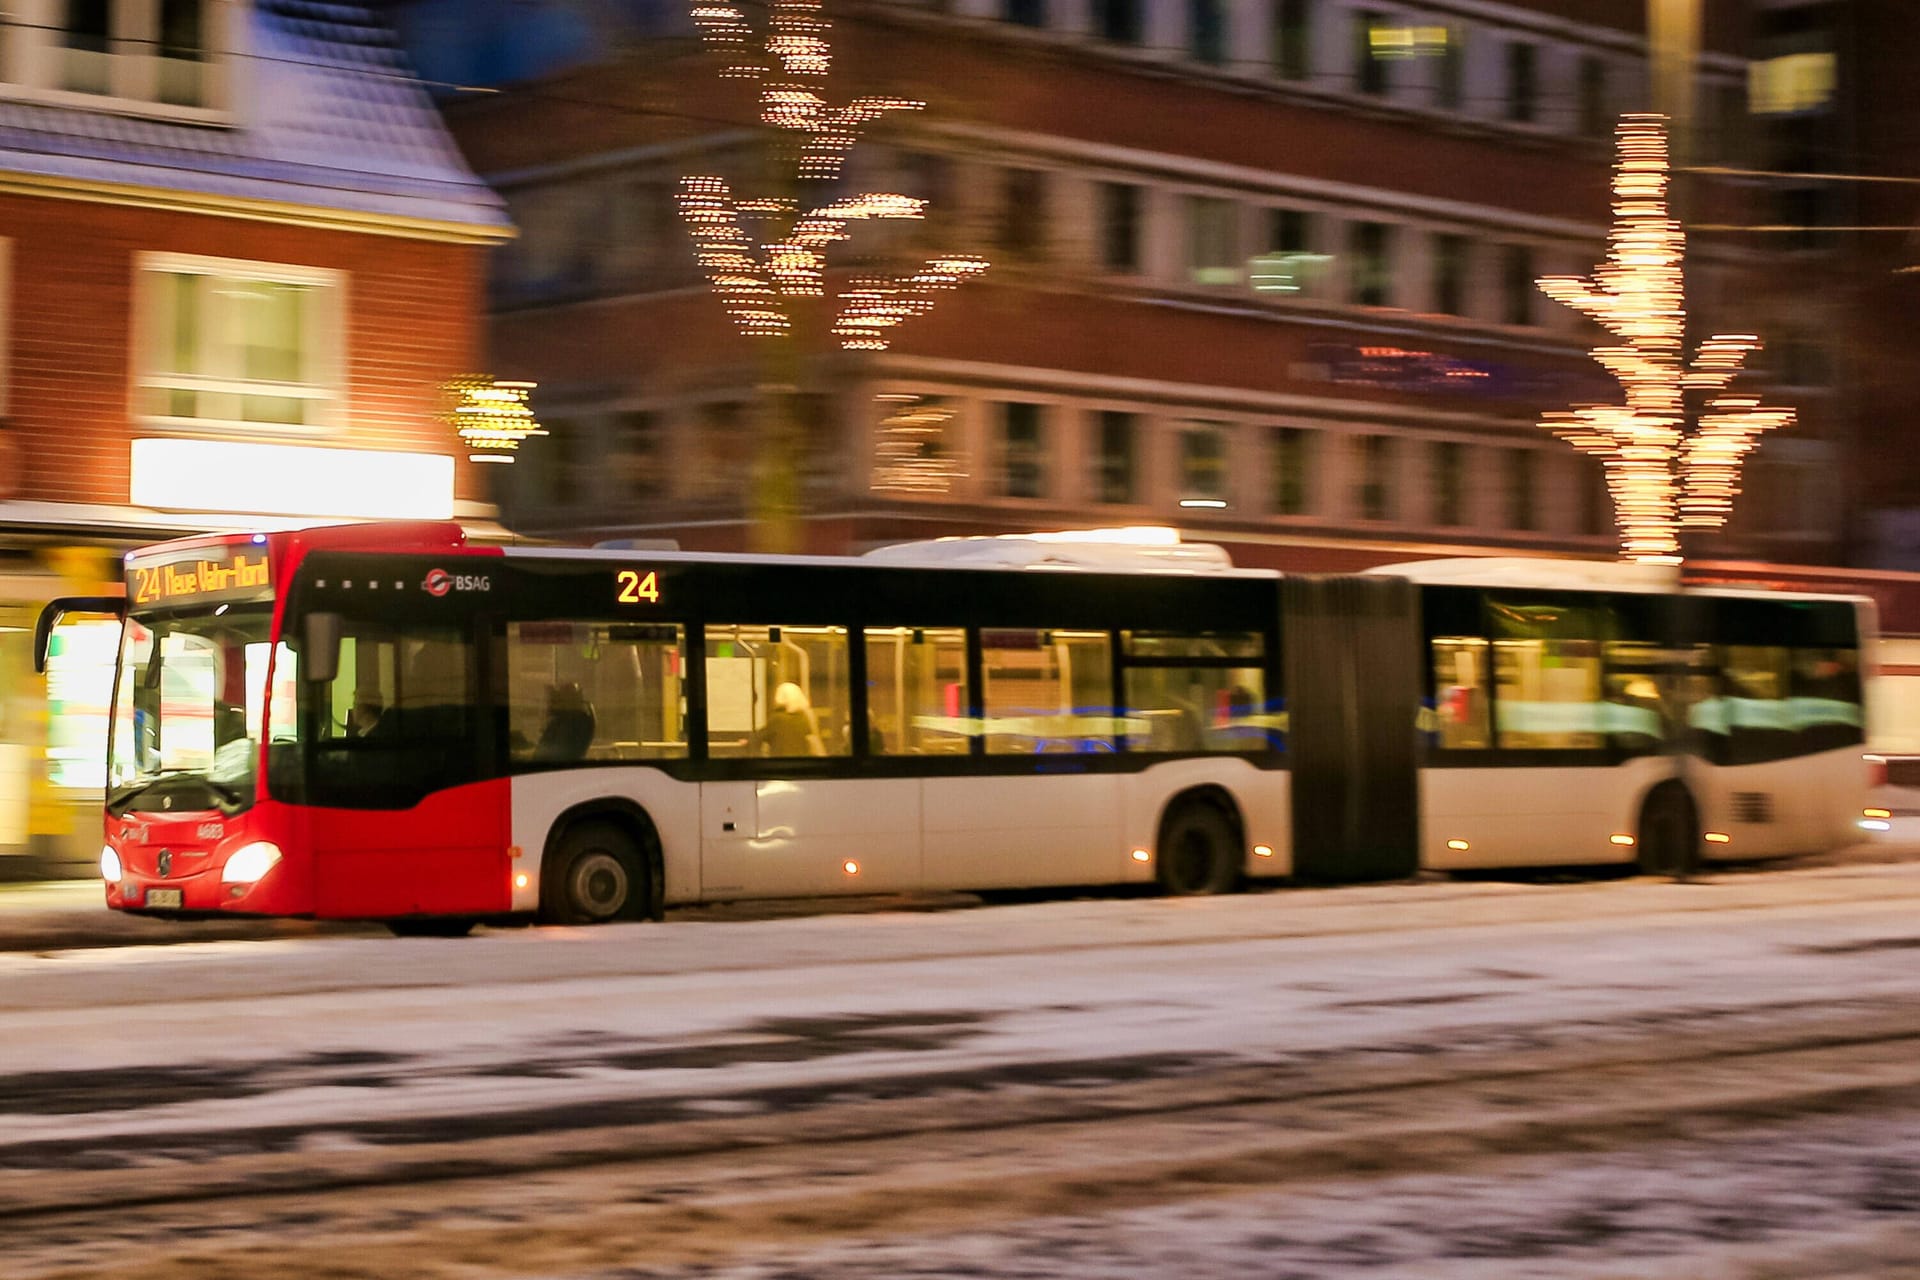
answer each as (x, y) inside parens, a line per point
(917, 696)
(1047, 691)
(1824, 702)
(777, 692)
(1203, 691)
(593, 691)
(1460, 692)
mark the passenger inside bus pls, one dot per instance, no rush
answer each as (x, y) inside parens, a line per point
(791, 729)
(570, 724)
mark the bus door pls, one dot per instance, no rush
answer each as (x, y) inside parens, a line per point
(406, 814)
(1351, 650)
(785, 818)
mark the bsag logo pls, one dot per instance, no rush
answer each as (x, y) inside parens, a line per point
(438, 582)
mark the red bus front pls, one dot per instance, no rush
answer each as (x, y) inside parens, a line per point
(215, 726)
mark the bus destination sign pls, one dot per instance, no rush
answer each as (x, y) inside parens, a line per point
(212, 574)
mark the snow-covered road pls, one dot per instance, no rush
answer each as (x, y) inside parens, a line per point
(1288, 1084)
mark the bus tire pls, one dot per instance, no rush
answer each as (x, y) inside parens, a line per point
(595, 876)
(432, 927)
(1669, 832)
(1200, 850)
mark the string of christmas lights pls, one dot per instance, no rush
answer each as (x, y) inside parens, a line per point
(492, 417)
(753, 278)
(1662, 477)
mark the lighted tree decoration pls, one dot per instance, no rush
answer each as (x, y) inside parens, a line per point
(1666, 471)
(758, 275)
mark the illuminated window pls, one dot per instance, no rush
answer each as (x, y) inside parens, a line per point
(1047, 691)
(1289, 264)
(1369, 265)
(1288, 465)
(1460, 693)
(917, 695)
(1448, 481)
(1547, 672)
(238, 344)
(1203, 463)
(1207, 31)
(1118, 21)
(1120, 227)
(1202, 692)
(1023, 456)
(1523, 82)
(1213, 236)
(639, 456)
(1293, 38)
(1114, 477)
(1791, 83)
(579, 692)
(1450, 274)
(778, 692)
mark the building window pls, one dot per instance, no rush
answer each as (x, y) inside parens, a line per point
(153, 51)
(1203, 465)
(1213, 250)
(1370, 73)
(1449, 72)
(1023, 213)
(1596, 117)
(1293, 38)
(1119, 21)
(1520, 488)
(1288, 465)
(1023, 455)
(1114, 467)
(1450, 274)
(1448, 481)
(637, 461)
(1370, 278)
(1373, 482)
(1523, 88)
(1288, 265)
(1120, 227)
(1024, 13)
(1516, 284)
(1207, 31)
(244, 344)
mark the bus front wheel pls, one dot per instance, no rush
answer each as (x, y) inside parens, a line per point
(1669, 832)
(1199, 851)
(595, 878)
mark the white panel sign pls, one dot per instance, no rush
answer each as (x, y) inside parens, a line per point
(291, 480)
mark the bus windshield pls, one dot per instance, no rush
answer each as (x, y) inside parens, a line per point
(189, 708)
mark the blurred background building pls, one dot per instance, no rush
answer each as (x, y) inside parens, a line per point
(1262, 268)
(239, 255)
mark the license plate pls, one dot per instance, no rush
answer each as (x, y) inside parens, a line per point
(163, 898)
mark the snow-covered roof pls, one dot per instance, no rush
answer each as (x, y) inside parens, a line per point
(325, 114)
(1537, 573)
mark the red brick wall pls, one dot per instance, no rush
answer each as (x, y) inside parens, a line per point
(413, 311)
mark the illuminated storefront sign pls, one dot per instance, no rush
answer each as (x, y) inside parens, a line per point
(291, 480)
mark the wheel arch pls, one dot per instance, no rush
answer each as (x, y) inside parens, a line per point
(1213, 793)
(628, 816)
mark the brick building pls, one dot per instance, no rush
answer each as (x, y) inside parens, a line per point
(239, 256)
(1262, 268)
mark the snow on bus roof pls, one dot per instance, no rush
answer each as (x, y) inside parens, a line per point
(1541, 573)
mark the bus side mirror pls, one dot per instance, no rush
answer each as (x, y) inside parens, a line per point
(320, 647)
(113, 606)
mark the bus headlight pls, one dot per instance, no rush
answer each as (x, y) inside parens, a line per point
(250, 862)
(109, 865)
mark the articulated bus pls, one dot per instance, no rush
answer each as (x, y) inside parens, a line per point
(385, 722)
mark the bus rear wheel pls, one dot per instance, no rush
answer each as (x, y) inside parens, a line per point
(1199, 851)
(1669, 832)
(595, 878)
